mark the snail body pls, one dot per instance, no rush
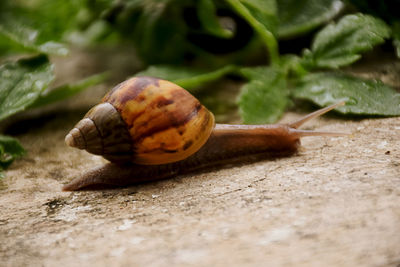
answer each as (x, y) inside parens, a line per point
(151, 129)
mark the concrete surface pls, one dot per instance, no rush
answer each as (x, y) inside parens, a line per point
(335, 203)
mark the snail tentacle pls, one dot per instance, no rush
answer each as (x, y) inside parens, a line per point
(151, 129)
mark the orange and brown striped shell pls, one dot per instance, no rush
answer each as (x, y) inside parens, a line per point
(144, 120)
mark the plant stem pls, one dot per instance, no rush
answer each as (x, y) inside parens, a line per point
(267, 36)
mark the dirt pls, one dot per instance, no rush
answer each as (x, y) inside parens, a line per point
(335, 203)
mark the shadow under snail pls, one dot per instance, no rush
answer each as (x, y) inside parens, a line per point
(150, 129)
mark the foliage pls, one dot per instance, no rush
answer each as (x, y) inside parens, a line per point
(340, 44)
(31, 34)
(266, 95)
(296, 18)
(10, 149)
(22, 82)
(184, 77)
(396, 38)
(364, 97)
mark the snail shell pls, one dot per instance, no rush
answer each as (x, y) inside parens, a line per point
(144, 120)
(166, 132)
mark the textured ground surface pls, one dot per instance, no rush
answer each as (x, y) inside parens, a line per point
(336, 203)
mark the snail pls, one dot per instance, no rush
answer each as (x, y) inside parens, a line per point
(149, 129)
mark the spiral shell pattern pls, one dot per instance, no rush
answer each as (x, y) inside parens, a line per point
(164, 123)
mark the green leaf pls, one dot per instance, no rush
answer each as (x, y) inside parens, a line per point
(255, 73)
(288, 63)
(206, 12)
(10, 149)
(264, 11)
(292, 65)
(22, 37)
(22, 82)
(364, 97)
(39, 26)
(262, 16)
(396, 38)
(157, 28)
(52, 19)
(340, 44)
(68, 90)
(298, 17)
(265, 97)
(187, 78)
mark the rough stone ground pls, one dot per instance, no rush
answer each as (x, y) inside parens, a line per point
(335, 203)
